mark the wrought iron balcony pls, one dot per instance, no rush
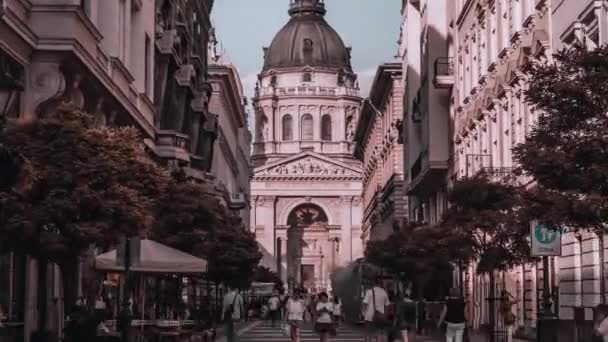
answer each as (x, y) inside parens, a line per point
(497, 174)
(444, 72)
(237, 201)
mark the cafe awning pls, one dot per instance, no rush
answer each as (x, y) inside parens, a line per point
(154, 257)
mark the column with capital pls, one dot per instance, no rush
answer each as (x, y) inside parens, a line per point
(346, 221)
(265, 217)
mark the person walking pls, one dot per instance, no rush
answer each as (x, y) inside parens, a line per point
(600, 326)
(454, 315)
(405, 318)
(232, 313)
(324, 324)
(374, 311)
(274, 305)
(337, 311)
(295, 307)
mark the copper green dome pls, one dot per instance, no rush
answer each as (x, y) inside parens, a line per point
(307, 39)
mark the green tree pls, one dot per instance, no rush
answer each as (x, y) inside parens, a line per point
(566, 152)
(191, 218)
(86, 186)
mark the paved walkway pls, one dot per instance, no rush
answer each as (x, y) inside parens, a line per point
(263, 332)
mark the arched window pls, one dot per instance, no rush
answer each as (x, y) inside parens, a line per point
(307, 77)
(326, 127)
(287, 128)
(307, 127)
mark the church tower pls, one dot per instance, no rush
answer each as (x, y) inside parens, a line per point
(306, 188)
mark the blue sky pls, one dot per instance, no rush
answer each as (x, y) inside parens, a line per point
(244, 26)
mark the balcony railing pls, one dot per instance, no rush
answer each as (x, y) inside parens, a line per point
(418, 165)
(237, 201)
(444, 72)
(307, 91)
(497, 174)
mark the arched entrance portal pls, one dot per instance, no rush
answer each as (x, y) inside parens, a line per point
(307, 239)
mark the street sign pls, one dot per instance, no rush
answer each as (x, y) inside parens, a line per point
(545, 241)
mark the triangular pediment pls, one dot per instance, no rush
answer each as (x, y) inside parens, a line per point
(308, 165)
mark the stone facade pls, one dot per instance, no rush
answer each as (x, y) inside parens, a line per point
(129, 62)
(379, 145)
(306, 188)
(427, 116)
(487, 45)
(493, 40)
(231, 162)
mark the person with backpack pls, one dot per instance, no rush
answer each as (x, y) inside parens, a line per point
(232, 312)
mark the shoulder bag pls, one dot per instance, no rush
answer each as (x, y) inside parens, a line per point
(379, 317)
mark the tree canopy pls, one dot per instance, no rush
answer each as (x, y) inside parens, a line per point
(191, 218)
(567, 151)
(88, 185)
(484, 215)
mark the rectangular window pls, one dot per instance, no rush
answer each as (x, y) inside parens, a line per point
(147, 71)
(121, 29)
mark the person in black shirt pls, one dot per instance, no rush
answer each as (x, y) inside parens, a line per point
(454, 315)
(405, 318)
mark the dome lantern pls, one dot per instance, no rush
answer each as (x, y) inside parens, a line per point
(302, 7)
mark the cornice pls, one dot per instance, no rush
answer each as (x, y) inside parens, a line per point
(287, 178)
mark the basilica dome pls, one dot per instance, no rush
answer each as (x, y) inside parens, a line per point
(307, 39)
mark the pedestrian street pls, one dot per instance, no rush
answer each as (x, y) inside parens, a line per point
(264, 332)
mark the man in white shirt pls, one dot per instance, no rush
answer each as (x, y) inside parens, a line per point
(232, 309)
(376, 299)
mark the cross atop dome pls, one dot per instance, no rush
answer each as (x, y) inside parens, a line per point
(302, 7)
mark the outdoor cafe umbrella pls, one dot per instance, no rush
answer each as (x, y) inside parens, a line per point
(154, 257)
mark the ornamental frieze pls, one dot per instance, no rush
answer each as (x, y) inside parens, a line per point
(308, 167)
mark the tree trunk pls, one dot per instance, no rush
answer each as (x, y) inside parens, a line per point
(42, 334)
(69, 280)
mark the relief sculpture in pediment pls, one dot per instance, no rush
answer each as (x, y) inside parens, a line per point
(307, 167)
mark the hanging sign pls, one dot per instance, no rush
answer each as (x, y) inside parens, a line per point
(545, 240)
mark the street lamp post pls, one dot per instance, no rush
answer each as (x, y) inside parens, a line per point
(125, 316)
(548, 324)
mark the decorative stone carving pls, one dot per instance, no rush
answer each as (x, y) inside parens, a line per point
(309, 167)
(48, 84)
(100, 119)
(184, 75)
(73, 98)
(167, 41)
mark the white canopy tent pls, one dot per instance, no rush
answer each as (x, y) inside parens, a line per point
(154, 257)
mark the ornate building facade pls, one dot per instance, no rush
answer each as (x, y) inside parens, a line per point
(493, 40)
(379, 145)
(128, 62)
(231, 162)
(306, 188)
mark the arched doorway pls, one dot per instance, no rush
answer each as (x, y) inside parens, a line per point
(307, 239)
